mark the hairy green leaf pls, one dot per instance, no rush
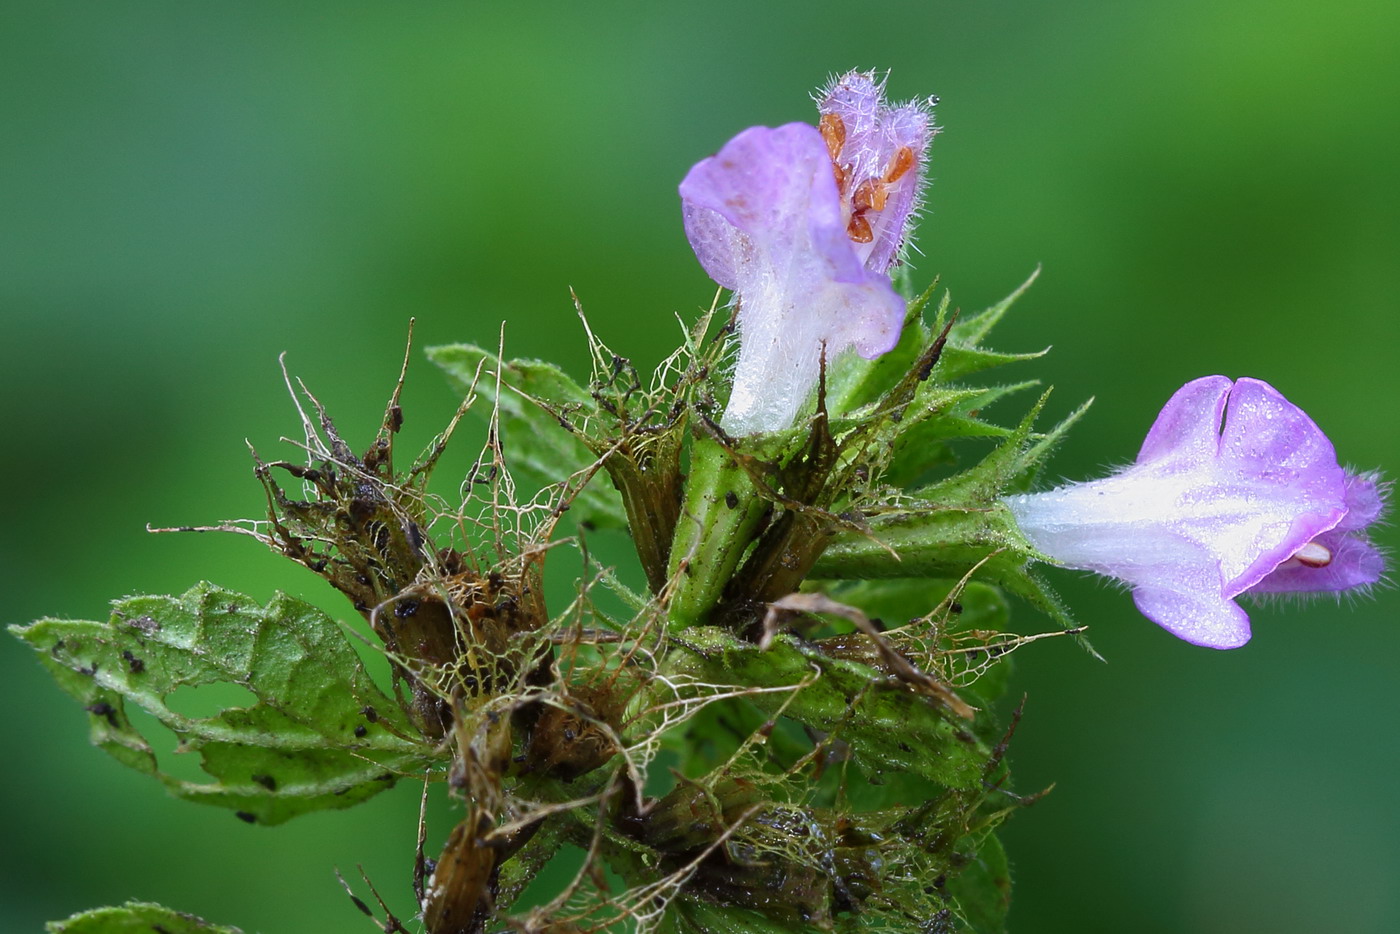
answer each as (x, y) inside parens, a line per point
(896, 602)
(693, 915)
(970, 331)
(136, 918)
(888, 725)
(960, 524)
(983, 887)
(320, 735)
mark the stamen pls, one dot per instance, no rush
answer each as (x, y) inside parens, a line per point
(833, 130)
(864, 197)
(902, 162)
(1313, 555)
(859, 229)
(843, 176)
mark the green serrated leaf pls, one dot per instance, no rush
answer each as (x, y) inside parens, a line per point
(955, 521)
(888, 726)
(964, 354)
(320, 735)
(535, 402)
(136, 918)
(982, 888)
(970, 331)
(927, 540)
(939, 416)
(978, 606)
(525, 864)
(691, 915)
(896, 602)
(959, 524)
(537, 379)
(959, 362)
(944, 542)
(1033, 457)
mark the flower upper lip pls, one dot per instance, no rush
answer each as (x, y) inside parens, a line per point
(772, 217)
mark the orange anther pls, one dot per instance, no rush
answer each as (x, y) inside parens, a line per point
(859, 229)
(902, 162)
(879, 195)
(833, 130)
(864, 197)
(843, 176)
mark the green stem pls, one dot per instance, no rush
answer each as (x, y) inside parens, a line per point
(722, 510)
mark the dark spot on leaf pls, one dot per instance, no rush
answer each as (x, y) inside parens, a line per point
(103, 709)
(360, 730)
(731, 499)
(386, 777)
(88, 671)
(904, 747)
(370, 714)
(340, 791)
(246, 817)
(955, 607)
(232, 608)
(135, 664)
(145, 624)
(267, 781)
(362, 906)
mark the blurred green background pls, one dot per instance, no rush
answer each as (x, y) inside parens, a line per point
(188, 190)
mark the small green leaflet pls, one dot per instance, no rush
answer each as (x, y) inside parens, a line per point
(887, 726)
(135, 918)
(321, 734)
(535, 401)
(983, 887)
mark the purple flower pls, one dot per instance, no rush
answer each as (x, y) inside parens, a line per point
(1212, 510)
(803, 224)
